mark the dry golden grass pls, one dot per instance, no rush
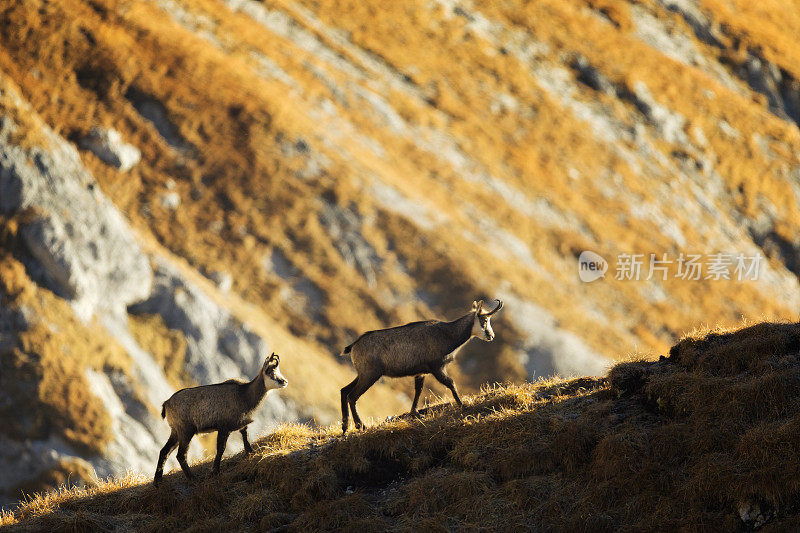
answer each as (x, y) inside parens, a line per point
(64, 473)
(679, 443)
(75, 61)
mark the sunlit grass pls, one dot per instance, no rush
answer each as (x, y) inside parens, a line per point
(678, 443)
(75, 61)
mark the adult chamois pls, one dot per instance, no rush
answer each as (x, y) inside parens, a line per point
(222, 407)
(414, 349)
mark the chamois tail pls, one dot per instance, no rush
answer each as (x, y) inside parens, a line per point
(164, 410)
(346, 350)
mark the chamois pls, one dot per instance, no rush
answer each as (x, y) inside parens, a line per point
(414, 349)
(221, 407)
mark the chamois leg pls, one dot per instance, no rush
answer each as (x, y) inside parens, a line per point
(247, 449)
(345, 412)
(447, 381)
(222, 440)
(361, 386)
(183, 447)
(172, 441)
(417, 391)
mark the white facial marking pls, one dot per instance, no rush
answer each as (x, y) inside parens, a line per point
(482, 328)
(488, 331)
(273, 379)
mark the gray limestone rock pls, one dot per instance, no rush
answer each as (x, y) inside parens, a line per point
(81, 240)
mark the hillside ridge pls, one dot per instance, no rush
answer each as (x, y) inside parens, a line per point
(188, 185)
(706, 437)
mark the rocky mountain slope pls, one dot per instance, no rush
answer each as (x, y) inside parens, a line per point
(703, 439)
(188, 184)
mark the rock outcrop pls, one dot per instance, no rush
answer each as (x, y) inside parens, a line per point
(82, 249)
(85, 249)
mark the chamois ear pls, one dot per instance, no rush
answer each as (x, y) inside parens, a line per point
(477, 306)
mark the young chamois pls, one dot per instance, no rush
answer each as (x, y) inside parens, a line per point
(414, 349)
(222, 407)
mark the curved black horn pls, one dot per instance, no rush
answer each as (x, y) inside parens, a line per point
(496, 309)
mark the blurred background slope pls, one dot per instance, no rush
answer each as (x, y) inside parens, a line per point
(187, 185)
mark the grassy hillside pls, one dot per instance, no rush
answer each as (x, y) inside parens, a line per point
(277, 117)
(704, 439)
(318, 168)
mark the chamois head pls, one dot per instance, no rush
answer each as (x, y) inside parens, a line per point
(481, 327)
(273, 379)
